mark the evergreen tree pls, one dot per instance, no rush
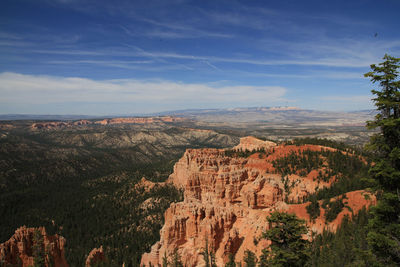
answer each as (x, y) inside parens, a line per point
(384, 232)
(231, 262)
(249, 259)
(37, 249)
(288, 248)
(206, 255)
(176, 259)
(212, 259)
(313, 208)
(165, 260)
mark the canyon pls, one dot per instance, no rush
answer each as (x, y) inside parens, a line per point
(228, 198)
(228, 192)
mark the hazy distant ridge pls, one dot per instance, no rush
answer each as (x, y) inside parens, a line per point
(232, 115)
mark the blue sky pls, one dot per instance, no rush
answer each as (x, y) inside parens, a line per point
(131, 57)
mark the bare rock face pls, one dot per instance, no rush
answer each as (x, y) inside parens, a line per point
(95, 256)
(251, 143)
(227, 200)
(18, 250)
(49, 125)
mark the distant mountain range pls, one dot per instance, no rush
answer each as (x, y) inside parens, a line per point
(286, 115)
(12, 117)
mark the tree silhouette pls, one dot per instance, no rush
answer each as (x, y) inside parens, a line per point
(384, 234)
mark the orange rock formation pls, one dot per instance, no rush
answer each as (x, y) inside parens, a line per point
(18, 250)
(227, 200)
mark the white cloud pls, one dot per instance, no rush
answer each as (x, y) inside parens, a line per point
(154, 95)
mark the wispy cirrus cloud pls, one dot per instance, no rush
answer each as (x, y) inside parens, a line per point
(348, 53)
(327, 61)
(172, 30)
(15, 43)
(12, 36)
(142, 65)
(72, 52)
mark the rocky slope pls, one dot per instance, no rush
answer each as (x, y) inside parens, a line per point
(227, 200)
(19, 249)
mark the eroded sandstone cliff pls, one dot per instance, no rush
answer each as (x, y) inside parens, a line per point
(227, 200)
(19, 249)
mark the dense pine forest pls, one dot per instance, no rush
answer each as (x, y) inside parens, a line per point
(107, 210)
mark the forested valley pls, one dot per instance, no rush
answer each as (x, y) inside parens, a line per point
(82, 183)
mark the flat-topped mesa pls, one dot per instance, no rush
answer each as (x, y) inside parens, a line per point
(19, 249)
(251, 143)
(227, 200)
(49, 125)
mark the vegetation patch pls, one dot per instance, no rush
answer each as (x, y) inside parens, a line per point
(333, 208)
(313, 209)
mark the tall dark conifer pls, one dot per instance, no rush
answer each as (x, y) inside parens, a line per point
(288, 248)
(231, 262)
(384, 233)
(249, 259)
(206, 255)
(37, 249)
